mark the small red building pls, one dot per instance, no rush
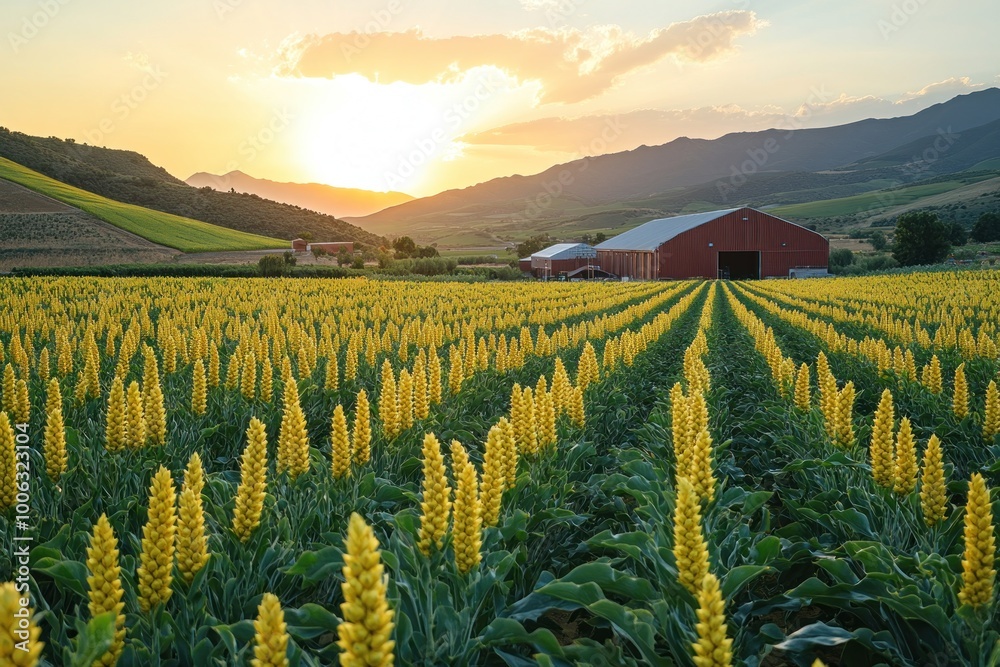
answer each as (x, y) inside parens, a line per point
(299, 245)
(739, 243)
(562, 258)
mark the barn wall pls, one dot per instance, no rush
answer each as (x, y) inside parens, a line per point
(689, 255)
(539, 265)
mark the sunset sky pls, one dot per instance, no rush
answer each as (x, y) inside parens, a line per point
(425, 95)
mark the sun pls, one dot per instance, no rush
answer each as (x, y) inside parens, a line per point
(374, 137)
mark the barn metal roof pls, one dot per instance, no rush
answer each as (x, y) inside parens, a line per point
(653, 234)
(566, 251)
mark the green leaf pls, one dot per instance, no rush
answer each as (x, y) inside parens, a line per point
(738, 577)
(68, 574)
(94, 640)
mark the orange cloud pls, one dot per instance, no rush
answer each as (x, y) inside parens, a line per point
(571, 65)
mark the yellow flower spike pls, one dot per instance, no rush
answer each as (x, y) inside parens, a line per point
(803, 400)
(8, 464)
(270, 641)
(404, 400)
(494, 475)
(253, 482)
(152, 396)
(105, 586)
(960, 397)
(932, 379)
(690, 549)
(199, 389)
(933, 496)
(510, 452)
(365, 635)
(192, 543)
(845, 425)
(700, 466)
(340, 445)
(991, 414)
(467, 529)
(387, 406)
(248, 378)
(213, 366)
(55, 434)
(135, 420)
(9, 394)
(456, 373)
(978, 574)
(421, 399)
(14, 649)
(577, 412)
(233, 373)
(881, 451)
(293, 440)
(158, 543)
(361, 435)
(906, 459)
(194, 475)
(714, 647)
(22, 405)
(332, 380)
(435, 506)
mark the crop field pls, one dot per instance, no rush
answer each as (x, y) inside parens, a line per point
(173, 231)
(358, 472)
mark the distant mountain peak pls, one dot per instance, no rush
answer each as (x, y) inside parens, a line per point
(340, 202)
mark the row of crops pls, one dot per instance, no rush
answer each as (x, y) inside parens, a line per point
(307, 472)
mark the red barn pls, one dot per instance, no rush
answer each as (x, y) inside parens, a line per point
(562, 257)
(299, 245)
(737, 243)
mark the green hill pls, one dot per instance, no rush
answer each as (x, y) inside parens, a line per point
(126, 176)
(173, 231)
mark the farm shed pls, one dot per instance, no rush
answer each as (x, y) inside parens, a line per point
(299, 245)
(562, 257)
(737, 243)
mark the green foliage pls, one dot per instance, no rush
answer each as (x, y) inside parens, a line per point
(921, 238)
(127, 177)
(839, 258)
(987, 228)
(957, 234)
(532, 245)
(166, 229)
(878, 241)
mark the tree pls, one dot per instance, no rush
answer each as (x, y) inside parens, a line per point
(600, 237)
(957, 234)
(841, 257)
(532, 245)
(404, 247)
(921, 238)
(272, 266)
(878, 241)
(987, 228)
(343, 257)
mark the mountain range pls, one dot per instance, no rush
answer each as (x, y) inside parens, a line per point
(769, 167)
(339, 202)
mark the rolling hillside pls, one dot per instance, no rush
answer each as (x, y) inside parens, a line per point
(38, 231)
(169, 230)
(128, 177)
(343, 202)
(610, 192)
